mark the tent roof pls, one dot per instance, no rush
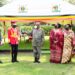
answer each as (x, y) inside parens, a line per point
(37, 8)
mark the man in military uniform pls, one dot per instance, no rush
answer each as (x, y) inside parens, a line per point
(37, 41)
(13, 35)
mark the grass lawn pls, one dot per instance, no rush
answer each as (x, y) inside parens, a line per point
(27, 67)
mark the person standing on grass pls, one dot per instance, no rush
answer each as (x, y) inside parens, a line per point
(56, 43)
(13, 35)
(68, 44)
(37, 41)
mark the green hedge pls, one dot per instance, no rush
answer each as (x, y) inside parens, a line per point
(73, 28)
(23, 45)
(46, 28)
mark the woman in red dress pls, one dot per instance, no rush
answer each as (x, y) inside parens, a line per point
(56, 44)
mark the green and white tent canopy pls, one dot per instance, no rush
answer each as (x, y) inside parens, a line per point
(37, 8)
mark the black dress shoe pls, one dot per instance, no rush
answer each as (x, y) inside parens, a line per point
(12, 61)
(16, 61)
(38, 61)
(35, 62)
(1, 62)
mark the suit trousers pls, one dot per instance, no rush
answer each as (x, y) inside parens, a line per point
(37, 51)
(14, 48)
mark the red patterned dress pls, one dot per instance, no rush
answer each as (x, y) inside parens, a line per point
(56, 45)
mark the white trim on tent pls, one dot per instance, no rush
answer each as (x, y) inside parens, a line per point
(37, 8)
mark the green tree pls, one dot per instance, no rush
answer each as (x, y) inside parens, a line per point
(71, 1)
(3, 2)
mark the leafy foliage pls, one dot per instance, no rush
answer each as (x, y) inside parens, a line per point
(73, 28)
(47, 29)
(2, 2)
(71, 1)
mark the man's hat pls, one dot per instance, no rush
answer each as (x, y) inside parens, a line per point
(13, 23)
